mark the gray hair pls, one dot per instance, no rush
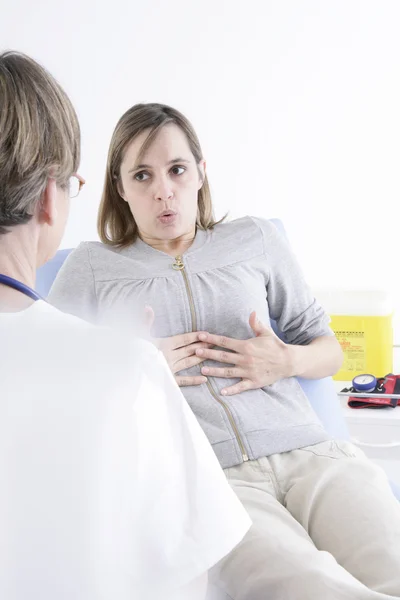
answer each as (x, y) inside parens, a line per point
(39, 137)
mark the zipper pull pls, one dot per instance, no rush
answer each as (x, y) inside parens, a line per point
(178, 264)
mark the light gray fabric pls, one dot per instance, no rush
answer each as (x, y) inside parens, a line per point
(235, 268)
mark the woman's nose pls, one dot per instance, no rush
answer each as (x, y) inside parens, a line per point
(163, 190)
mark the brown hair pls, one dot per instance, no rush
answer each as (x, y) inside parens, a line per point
(39, 137)
(116, 225)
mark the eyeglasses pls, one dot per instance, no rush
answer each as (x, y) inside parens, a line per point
(76, 183)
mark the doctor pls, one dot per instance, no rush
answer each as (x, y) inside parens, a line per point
(110, 489)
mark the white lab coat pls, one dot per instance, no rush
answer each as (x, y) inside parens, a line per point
(109, 488)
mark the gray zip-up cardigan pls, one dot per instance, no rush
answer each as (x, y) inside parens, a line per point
(227, 273)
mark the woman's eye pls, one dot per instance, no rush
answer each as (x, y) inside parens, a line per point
(178, 170)
(142, 176)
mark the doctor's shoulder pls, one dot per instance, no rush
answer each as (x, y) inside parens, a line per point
(99, 344)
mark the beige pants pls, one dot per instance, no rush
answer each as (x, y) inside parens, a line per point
(326, 526)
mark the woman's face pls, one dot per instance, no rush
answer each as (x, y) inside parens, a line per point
(162, 186)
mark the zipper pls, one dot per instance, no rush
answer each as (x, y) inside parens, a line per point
(178, 265)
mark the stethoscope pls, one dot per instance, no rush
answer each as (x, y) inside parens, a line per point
(20, 287)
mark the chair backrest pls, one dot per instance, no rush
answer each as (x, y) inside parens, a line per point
(46, 274)
(321, 393)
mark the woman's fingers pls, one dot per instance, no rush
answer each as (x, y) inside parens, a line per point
(187, 363)
(225, 372)
(178, 341)
(186, 381)
(189, 350)
(148, 318)
(221, 356)
(242, 386)
(221, 341)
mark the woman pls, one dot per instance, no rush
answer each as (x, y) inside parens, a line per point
(90, 507)
(212, 289)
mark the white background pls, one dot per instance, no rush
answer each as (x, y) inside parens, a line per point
(296, 102)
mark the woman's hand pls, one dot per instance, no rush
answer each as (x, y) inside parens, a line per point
(258, 362)
(180, 352)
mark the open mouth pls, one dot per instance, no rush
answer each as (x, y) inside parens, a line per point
(167, 216)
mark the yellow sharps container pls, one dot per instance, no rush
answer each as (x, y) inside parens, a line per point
(363, 324)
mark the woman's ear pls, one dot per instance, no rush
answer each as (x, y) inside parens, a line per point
(202, 172)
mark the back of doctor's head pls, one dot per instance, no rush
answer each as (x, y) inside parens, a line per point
(39, 137)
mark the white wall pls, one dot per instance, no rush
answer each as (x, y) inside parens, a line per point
(297, 104)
